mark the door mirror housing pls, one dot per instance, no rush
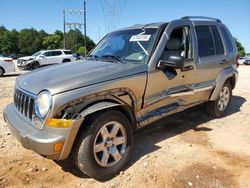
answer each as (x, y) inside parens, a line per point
(42, 56)
(174, 61)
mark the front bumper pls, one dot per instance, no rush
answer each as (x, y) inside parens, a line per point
(42, 141)
(24, 66)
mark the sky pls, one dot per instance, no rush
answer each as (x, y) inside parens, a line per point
(48, 14)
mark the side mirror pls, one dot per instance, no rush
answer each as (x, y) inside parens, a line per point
(174, 61)
(42, 56)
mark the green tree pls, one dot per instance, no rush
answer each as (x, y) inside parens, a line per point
(75, 39)
(240, 48)
(52, 41)
(81, 50)
(28, 42)
(9, 42)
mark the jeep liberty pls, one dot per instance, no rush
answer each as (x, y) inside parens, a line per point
(88, 111)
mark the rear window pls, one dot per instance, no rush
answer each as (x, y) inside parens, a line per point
(67, 52)
(228, 39)
(205, 41)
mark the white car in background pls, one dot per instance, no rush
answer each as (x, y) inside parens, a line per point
(44, 58)
(244, 61)
(6, 65)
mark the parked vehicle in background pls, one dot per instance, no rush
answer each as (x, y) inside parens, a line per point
(244, 61)
(77, 56)
(13, 56)
(133, 77)
(44, 58)
(6, 65)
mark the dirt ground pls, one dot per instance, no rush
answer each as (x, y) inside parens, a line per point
(189, 149)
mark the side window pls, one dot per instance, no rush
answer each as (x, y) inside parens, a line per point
(219, 48)
(178, 43)
(205, 41)
(68, 52)
(228, 39)
(56, 53)
(47, 54)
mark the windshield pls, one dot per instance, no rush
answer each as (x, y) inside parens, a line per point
(127, 45)
(36, 54)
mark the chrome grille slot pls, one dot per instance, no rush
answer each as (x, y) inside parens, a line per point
(24, 103)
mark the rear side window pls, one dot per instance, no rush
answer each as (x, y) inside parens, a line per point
(219, 49)
(68, 52)
(205, 41)
(228, 39)
(56, 53)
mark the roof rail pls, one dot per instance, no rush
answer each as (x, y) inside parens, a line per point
(201, 18)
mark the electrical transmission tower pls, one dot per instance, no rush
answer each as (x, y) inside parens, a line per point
(112, 14)
(75, 25)
(112, 11)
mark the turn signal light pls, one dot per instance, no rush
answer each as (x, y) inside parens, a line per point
(58, 123)
(58, 146)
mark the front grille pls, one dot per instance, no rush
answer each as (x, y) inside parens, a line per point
(24, 103)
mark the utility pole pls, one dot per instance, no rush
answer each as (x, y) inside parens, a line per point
(64, 31)
(85, 30)
(73, 24)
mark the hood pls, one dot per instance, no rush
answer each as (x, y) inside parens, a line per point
(68, 76)
(27, 58)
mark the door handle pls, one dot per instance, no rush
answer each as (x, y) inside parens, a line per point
(223, 61)
(188, 68)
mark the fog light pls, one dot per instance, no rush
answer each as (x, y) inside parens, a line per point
(58, 123)
(58, 146)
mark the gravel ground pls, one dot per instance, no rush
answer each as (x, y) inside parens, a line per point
(189, 149)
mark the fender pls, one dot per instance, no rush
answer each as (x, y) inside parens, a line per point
(78, 121)
(221, 79)
(97, 107)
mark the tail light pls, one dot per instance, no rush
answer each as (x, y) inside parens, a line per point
(237, 60)
(237, 57)
(8, 60)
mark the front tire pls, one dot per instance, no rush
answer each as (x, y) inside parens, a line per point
(103, 150)
(35, 65)
(219, 107)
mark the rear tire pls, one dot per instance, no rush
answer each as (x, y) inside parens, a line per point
(103, 149)
(1, 71)
(66, 61)
(219, 107)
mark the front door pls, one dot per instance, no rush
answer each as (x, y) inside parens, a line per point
(170, 89)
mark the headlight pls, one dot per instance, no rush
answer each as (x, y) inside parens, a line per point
(43, 104)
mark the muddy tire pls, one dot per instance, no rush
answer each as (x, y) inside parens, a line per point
(103, 149)
(219, 107)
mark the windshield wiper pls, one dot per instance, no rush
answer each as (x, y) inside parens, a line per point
(118, 59)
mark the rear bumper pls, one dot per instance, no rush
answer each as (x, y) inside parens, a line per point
(42, 141)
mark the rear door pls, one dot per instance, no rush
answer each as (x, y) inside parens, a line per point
(56, 57)
(212, 56)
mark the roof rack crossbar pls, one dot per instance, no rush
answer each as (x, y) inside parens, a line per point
(202, 18)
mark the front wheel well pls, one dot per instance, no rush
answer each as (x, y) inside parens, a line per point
(126, 110)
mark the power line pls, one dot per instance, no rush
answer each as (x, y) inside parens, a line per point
(68, 13)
